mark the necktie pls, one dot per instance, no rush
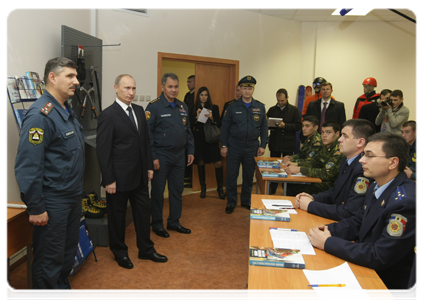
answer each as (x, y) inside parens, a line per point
(131, 117)
(322, 116)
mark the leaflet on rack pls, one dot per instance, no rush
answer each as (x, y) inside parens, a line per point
(341, 274)
(279, 205)
(291, 239)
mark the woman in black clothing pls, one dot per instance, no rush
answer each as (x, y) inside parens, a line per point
(204, 152)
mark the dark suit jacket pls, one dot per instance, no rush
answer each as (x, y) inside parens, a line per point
(124, 154)
(347, 195)
(335, 111)
(384, 231)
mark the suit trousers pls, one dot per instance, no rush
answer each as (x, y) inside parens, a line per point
(172, 169)
(55, 244)
(116, 211)
(240, 153)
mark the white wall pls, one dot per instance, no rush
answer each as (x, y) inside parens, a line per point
(28, 49)
(349, 52)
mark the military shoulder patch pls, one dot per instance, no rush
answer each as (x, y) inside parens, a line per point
(399, 193)
(46, 108)
(361, 185)
(147, 115)
(396, 226)
(414, 158)
(329, 165)
(35, 136)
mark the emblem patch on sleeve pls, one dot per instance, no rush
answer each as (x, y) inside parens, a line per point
(361, 185)
(329, 165)
(147, 115)
(35, 136)
(396, 226)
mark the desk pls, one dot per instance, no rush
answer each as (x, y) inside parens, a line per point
(264, 182)
(280, 278)
(19, 235)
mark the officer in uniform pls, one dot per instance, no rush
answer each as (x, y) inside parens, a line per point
(348, 194)
(384, 229)
(244, 122)
(312, 144)
(325, 165)
(49, 169)
(170, 136)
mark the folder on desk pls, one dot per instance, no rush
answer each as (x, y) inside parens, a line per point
(274, 174)
(268, 164)
(274, 257)
(270, 214)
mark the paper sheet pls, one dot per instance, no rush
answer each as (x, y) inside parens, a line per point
(289, 239)
(202, 118)
(269, 204)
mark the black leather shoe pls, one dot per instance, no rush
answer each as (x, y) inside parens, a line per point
(247, 206)
(124, 262)
(188, 185)
(161, 232)
(229, 209)
(156, 257)
(179, 229)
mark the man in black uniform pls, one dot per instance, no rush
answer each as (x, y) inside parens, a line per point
(189, 101)
(244, 123)
(49, 169)
(283, 138)
(170, 136)
(382, 234)
(238, 94)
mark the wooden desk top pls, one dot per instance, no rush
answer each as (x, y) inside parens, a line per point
(286, 179)
(283, 278)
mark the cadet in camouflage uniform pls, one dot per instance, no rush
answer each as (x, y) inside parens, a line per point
(410, 132)
(311, 146)
(325, 165)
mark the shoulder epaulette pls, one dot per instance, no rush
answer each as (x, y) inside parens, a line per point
(232, 101)
(260, 102)
(155, 100)
(46, 109)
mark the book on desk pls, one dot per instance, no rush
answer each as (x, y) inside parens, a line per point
(274, 257)
(270, 214)
(268, 164)
(278, 174)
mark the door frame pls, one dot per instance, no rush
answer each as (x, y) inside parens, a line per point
(232, 64)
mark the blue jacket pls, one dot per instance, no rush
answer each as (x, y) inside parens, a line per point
(169, 127)
(50, 160)
(412, 160)
(245, 126)
(384, 231)
(347, 195)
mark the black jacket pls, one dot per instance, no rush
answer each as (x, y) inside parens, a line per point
(335, 111)
(284, 139)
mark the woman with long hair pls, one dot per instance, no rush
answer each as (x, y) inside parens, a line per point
(204, 152)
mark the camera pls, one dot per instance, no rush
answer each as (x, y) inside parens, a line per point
(386, 102)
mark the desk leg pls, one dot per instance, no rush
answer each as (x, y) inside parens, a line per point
(285, 186)
(29, 266)
(7, 287)
(267, 187)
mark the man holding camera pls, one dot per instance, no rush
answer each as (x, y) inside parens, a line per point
(393, 113)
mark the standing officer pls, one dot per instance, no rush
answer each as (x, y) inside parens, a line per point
(283, 137)
(49, 168)
(383, 231)
(238, 94)
(126, 164)
(244, 123)
(170, 136)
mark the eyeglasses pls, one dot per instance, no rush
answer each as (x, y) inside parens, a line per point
(369, 156)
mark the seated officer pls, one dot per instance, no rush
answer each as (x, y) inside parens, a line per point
(408, 131)
(313, 143)
(324, 165)
(347, 196)
(384, 229)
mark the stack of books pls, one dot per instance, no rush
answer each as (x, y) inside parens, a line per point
(274, 174)
(274, 257)
(269, 164)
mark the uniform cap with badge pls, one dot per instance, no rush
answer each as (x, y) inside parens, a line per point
(247, 81)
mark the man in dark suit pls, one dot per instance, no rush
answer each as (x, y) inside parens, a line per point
(348, 194)
(238, 95)
(126, 164)
(333, 110)
(384, 229)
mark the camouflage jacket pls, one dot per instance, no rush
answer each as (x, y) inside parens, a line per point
(310, 148)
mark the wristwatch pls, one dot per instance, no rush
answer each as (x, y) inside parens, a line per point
(223, 146)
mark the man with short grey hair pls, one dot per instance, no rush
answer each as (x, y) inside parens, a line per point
(170, 136)
(49, 169)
